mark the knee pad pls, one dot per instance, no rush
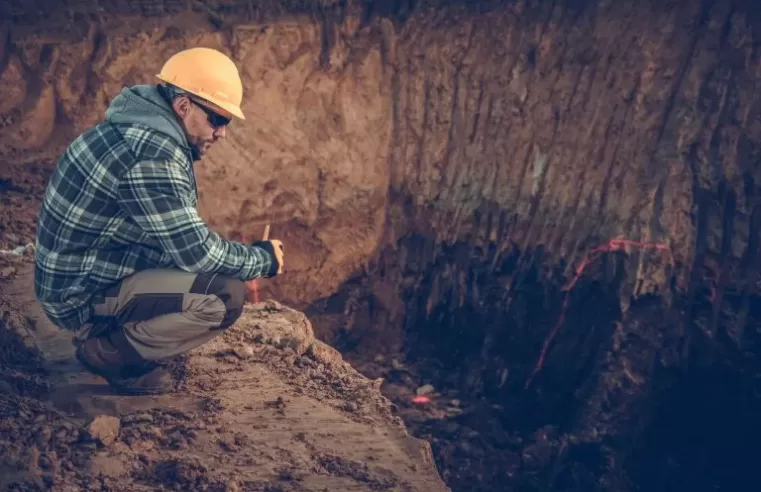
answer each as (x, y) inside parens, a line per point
(230, 290)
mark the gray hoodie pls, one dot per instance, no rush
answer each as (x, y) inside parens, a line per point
(144, 105)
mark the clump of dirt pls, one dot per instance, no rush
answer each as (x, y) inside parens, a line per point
(264, 406)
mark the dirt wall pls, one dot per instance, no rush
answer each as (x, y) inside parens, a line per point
(530, 123)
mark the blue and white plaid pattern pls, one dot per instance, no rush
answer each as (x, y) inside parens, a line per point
(123, 199)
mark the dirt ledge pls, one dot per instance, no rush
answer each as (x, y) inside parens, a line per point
(264, 407)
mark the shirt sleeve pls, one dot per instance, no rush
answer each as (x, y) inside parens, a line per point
(159, 198)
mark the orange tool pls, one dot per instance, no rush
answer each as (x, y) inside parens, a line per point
(253, 284)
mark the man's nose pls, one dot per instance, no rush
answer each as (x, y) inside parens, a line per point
(220, 132)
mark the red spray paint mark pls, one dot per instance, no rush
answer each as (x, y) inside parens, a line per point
(421, 400)
(592, 254)
(252, 285)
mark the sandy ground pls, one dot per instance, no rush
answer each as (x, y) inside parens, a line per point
(264, 407)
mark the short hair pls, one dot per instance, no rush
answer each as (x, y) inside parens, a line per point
(172, 91)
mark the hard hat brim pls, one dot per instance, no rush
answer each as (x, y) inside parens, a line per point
(230, 108)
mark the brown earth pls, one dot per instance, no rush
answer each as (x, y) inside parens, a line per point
(263, 407)
(547, 210)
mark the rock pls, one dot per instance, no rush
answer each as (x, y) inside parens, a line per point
(244, 351)
(426, 389)
(323, 352)
(351, 406)
(396, 365)
(104, 429)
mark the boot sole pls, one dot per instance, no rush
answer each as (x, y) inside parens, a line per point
(115, 384)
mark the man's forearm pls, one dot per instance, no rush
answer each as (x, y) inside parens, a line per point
(156, 197)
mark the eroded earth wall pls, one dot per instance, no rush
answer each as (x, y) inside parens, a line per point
(555, 123)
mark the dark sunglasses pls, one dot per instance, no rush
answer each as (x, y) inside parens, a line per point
(215, 119)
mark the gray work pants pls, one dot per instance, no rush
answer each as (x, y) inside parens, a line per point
(166, 312)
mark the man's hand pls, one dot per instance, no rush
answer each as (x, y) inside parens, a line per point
(275, 248)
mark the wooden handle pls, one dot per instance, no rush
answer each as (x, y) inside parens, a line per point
(266, 233)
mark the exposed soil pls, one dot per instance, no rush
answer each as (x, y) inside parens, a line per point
(264, 407)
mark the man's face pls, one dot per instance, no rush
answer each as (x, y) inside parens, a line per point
(203, 126)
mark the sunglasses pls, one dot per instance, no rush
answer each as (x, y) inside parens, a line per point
(216, 120)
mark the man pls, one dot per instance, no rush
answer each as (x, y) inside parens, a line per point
(123, 258)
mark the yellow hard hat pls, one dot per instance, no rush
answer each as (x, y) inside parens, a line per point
(208, 74)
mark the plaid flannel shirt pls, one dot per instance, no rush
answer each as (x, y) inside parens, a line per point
(123, 199)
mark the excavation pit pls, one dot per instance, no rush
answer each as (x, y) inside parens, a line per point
(538, 222)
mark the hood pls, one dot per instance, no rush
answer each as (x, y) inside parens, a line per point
(144, 105)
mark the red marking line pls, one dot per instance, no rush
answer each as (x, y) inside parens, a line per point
(592, 254)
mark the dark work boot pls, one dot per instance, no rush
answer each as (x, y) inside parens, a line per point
(114, 359)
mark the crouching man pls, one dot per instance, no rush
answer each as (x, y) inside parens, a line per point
(123, 259)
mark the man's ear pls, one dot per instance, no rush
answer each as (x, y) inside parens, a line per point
(181, 106)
